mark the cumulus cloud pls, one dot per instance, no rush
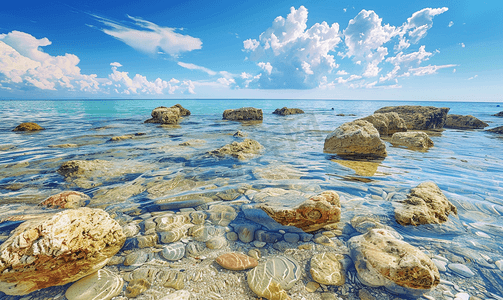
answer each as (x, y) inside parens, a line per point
(148, 37)
(450, 24)
(420, 22)
(196, 67)
(428, 70)
(462, 45)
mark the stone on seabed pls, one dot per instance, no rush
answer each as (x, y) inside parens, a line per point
(101, 285)
(240, 150)
(67, 199)
(326, 268)
(58, 249)
(236, 261)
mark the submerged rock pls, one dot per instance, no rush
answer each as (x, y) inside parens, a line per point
(287, 111)
(412, 139)
(327, 269)
(236, 261)
(103, 285)
(419, 117)
(174, 251)
(240, 150)
(67, 199)
(425, 204)
(58, 249)
(310, 215)
(382, 260)
(29, 126)
(357, 138)
(387, 123)
(496, 130)
(74, 168)
(464, 122)
(243, 114)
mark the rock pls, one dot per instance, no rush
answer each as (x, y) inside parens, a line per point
(76, 168)
(462, 296)
(255, 253)
(273, 277)
(245, 231)
(312, 286)
(291, 237)
(419, 117)
(136, 258)
(499, 264)
(464, 122)
(29, 126)
(165, 115)
(194, 249)
(362, 168)
(231, 236)
(366, 295)
(183, 111)
(240, 150)
(124, 137)
(267, 236)
(310, 215)
(382, 260)
(221, 214)
(58, 249)
(99, 285)
(387, 123)
(425, 204)
(63, 146)
(440, 264)
(136, 287)
(68, 199)
(217, 242)
(239, 133)
(500, 114)
(193, 143)
(496, 130)
(326, 268)
(363, 224)
(357, 138)
(172, 228)
(236, 261)
(202, 233)
(173, 251)
(288, 111)
(243, 114)
(461, 270)
(412, 139)
(259, 216)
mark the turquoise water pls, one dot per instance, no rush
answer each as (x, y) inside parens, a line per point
(466, 164)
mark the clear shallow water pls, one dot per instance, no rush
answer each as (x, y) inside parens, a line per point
(466, 164)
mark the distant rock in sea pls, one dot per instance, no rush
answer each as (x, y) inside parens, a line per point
(419, 117)
(243, 114)
(500, 114)
(168, 115)
(496, 130)
(29, 126)
(464, 122)
(287, 111)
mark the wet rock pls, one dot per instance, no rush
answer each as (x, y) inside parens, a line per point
(193, 143)
(239, 133)
(217, 242)
(382, 260)
(425, 204)
(171, 279)
(412, 139)
(168, 115)
(202, 233)
(464, 122)
(174, 251)
(310, 215)
(312, 286)
(291, 237)
(74, 168)
(500, 114)
(419, 117)
(287, 111)
(259, 216)
(363, 224)
(496, 130)
(136, 287)
(231, 236)
(236, 261)
(99, 285)
(198, 217)
(243, 114)
(366, 295)
(326, 268)
(245, 231)
(221, 214)
(125, 137)
(461, 270)
(58, 249)
(67, 199)
(29, 126)
(183, 111)
(136, 259)
(267, 236)
(387, 123)
(63, 146)
(194, 249)
(240, 150)
(147, 241)
(273, 277)
(358, 138)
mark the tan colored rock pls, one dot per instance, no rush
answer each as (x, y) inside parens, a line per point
(425, 204)
(312, 286)
(382, 260)
(236, 261)
(29, 126)
(101, 285)
(310, 215)
(243, 114)
(357, 138)
(183, 111)
(496, 130)
(387, 123)
(58, 249)
(63, 146)
(67, 199)
(412, 139)
(464, 122)
(125, 137)
(240, 150)
(327, 269)
(419, 117)
(362, 168)
(165, 115)
(287, 111)
(75, 168)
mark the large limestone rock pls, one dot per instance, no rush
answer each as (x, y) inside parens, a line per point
(240, 150)
(387, 123)
(383, 260)
(358, 138)
(168, 115)
(310, 215)
(29, 126)
(425, 204)
(419, 117)
(464, 122)
(496, 130)
(58, 249)
(412, 139)
(243, 114)
(287, 111)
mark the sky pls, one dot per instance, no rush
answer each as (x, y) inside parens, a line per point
(362, 50)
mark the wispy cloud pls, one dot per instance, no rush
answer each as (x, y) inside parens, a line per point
(473, 77)
(196, 67)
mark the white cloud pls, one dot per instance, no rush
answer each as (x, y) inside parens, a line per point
(428, 70)
(341, 72)
(420, 22)
(451, 23)
(149, 37)
(266, 67)
(196, 67)
(454, 71)
(462, 45)
(473, 77)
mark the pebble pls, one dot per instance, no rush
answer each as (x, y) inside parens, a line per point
(326, 269)
(461, 270)
(462, 296)
(365, 295)
(259, 244)
(246, 232)
(102, 285)
(232, 236)
(178, 295)
(174, 251)
(441, 265)
(136, 258)
(312, 286)
(217, 242)
(267, 236)
(236, 261)
(255, 253)
(202, 233)
(291, 237)
(499, 264)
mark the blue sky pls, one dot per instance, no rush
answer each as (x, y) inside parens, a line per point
(382, 50)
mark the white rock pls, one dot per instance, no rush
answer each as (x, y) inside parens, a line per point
(102, 285)
(499, 264)
(440, 264)
(461, 270)
(462, 296)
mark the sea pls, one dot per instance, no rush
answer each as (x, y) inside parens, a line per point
(467, 165)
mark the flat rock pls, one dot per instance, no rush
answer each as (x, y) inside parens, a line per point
(67, 199)
(28, 126)
(461, 270)
(357, 138)
(58, 249)
(102, 285)
(387, 123)
(412, 139)
(236, 261)
(310, 215)
(243, 114)
(240, 150)
(425, 204)
(382, 260)
(173, 251)
(496, 130)
(419, 117)
(464, 122)
(326, 268)
(273, 277)
(287, 111)
(63, 146)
